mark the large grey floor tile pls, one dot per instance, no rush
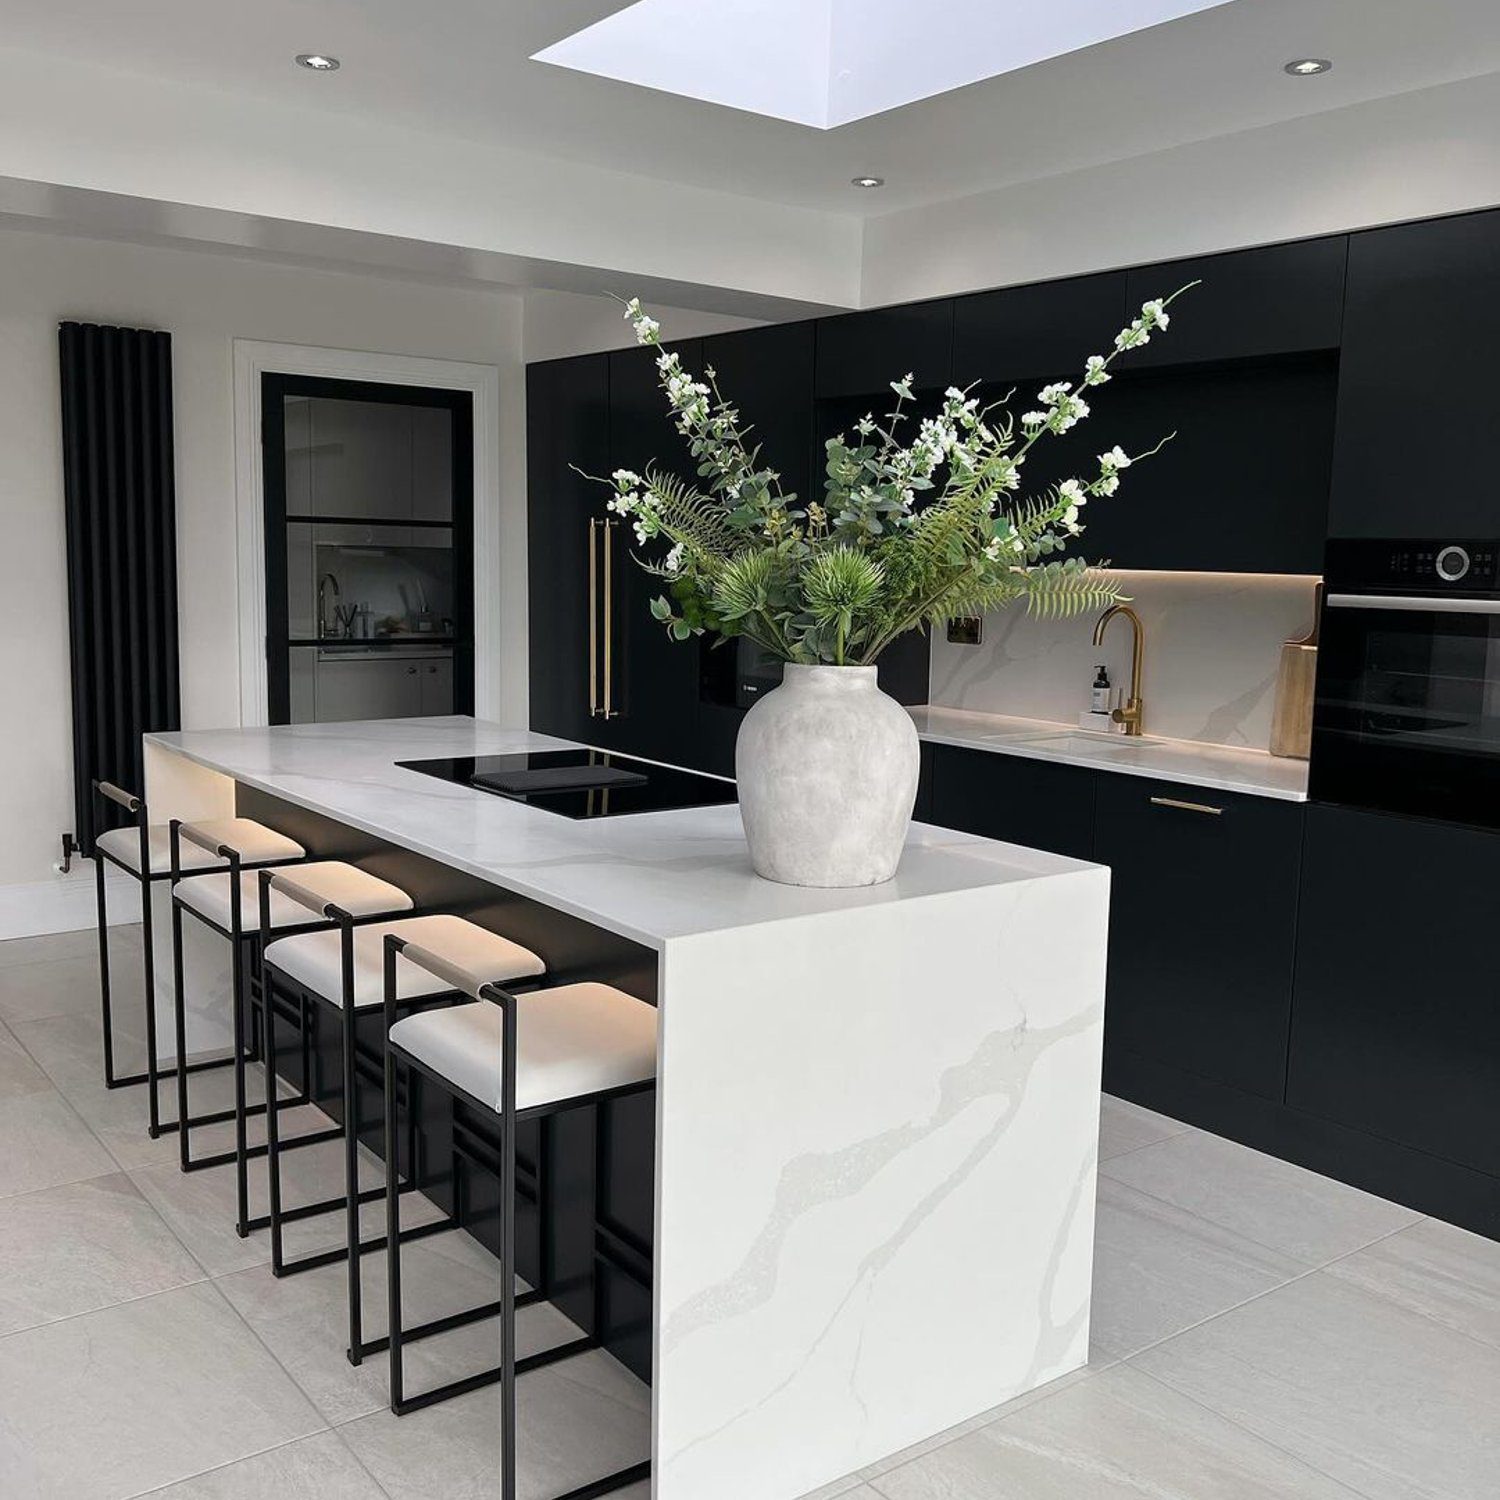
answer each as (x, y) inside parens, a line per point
(43, 1143)
(140, 1395)
(303, 1320)
(83, 943)
(1395, 1405)
(74, 1249)
(1158, 1270)
(1117, 1436)
(19, 1075)
(1436, 1269)
(1297, 1212)
(576, 1422)
(62, 986)
(320, 1466)
(1127, 1127)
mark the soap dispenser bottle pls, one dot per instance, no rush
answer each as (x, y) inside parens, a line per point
(1099, 697)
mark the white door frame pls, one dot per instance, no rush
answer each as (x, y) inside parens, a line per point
(252, 359)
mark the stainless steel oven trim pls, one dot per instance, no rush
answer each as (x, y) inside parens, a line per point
(1446, 605)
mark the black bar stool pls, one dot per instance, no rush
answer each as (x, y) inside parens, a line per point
(341, 969)
(219, 901)
(144, 853)
(524, 1057)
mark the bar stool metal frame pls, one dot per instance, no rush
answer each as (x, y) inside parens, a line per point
(145, 877)
(354, 1198)
(509, 1368)
(242, 1153)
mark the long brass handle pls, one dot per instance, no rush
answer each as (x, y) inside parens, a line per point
(1197, 807)
(609, 618)
(593, 620)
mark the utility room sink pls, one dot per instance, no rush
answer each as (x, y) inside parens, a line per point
(1077, 742)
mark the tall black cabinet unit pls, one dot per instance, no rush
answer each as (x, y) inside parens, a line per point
(1421, 315)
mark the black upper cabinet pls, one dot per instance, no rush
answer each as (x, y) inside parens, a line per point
(1030, 802)
(1397, 1018)
(1203, 912)
(768, 374)
(567, 423)
(1283, 299)
(653, 679)
(1027, 332)
(1422, 315)
(859, 354)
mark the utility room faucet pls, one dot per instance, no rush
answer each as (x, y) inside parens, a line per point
(1131, 716)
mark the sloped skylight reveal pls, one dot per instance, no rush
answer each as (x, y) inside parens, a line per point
(826, 63)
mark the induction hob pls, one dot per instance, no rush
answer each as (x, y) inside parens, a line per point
(579, 783)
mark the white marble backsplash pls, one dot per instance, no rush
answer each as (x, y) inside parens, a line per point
(1213, 643)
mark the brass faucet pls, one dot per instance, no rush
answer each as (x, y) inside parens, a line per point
(1132, 715)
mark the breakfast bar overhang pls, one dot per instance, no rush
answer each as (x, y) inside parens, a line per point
(876, 1113)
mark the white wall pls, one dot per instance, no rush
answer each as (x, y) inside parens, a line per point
(1430, 152)
(1213, 646)
(562, 323)
(205, 301)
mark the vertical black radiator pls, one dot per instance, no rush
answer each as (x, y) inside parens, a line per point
(122, 555)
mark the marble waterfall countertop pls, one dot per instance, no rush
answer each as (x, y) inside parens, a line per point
(652, 877)
(1223, 767)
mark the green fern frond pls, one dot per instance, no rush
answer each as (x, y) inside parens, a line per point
(1058, 591)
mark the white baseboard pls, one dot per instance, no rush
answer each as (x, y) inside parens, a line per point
(65, 903)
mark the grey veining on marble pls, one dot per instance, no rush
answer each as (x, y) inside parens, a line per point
(1393, 1404)
(1213, 645)
(652, 877)
(1224, 768)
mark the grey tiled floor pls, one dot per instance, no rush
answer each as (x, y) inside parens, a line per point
(1258, 1331)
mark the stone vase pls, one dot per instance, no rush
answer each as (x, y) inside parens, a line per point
(827, 767)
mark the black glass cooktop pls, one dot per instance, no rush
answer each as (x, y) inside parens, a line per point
(579, 783)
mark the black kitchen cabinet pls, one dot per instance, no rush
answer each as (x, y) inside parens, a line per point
(1032, 332)
(859, 354)
(1203, 912)
(1422, 314)
(653, 680)
(768, 374)
(1029, 802)
(1396, 1027)
(1280, 299)
(567, 423)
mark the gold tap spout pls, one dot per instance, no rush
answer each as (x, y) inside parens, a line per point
(1132, 716)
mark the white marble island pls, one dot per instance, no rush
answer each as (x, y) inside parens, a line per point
(876, 1113)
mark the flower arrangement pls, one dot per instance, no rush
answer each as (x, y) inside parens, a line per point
(904, 536)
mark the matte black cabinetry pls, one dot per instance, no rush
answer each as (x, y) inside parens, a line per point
(1029, 332)
(1029, 802)
(859, 354)
(1203, 912)
(1422, 313)
(1397, 1016)
(768, 374)
(1276, 300)
(567, 423)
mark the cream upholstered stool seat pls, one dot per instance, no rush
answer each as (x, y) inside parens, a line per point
(346, 886)
(258, 845)
(228, 902)
(316, 961)
(521, 1057)
(342, 968)
(142, 850)
(572, 1040)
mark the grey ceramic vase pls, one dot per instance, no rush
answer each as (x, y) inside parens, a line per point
(827, 767)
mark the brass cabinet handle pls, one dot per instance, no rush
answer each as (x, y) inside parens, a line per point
(609, 618)
(1197, 807)
(593, 621)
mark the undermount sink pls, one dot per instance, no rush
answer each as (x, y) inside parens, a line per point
(1076, 741)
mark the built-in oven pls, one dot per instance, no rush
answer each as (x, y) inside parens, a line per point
(1406, 716)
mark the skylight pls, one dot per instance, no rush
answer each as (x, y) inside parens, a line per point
(826, 63)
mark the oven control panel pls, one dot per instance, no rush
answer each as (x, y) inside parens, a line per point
(1462, 564)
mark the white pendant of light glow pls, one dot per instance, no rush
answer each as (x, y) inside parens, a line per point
(827, 62)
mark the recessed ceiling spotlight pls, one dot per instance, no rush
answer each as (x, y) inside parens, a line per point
(317, 62)
(868, 182)
(1306, 67)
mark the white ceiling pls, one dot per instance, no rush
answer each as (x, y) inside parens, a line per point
(462, 68)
